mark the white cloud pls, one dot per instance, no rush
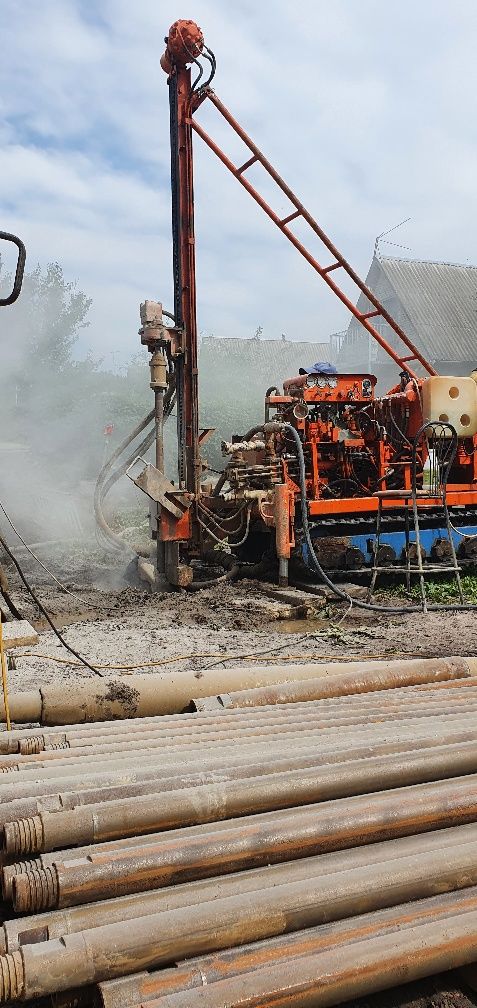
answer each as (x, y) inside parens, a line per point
(366, 109)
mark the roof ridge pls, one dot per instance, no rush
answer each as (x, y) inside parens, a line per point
(424, 262)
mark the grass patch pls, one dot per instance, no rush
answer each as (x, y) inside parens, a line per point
(442, 590)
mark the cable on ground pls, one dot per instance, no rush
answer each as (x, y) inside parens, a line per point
(94, 605)
(45, 613)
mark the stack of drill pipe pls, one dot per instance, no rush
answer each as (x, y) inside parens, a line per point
(269, 850)
(160, 939)
(146, 987)
(253, 781)
(142, 694)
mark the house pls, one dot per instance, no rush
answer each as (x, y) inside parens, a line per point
(436, 306)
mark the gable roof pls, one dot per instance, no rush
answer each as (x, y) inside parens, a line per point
(440, 299)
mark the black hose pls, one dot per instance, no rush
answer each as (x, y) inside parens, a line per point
(45, 613)
(11, 605)
(252, 431)
(396, 610)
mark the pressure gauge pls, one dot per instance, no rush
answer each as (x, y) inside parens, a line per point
(321, 382)
(332, 381)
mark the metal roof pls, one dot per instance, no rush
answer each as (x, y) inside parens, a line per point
(440, 299)
(278, 358)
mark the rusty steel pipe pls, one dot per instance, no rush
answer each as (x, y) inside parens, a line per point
(117, 848)
(322, 740)
(204, 970)
(245, 722)
(161, 939)
(245, 737)
(431, 689)
(21, 808)
(394, 699)
(25, 790)
(329, 978)
(180, 722)
(272, 719)
(333, 825)
(346, 683)
(54, 923)
(214, 801)
(372, 677)
(404, 718)
(172, 693)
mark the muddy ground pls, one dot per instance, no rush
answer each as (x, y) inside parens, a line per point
(113, 623)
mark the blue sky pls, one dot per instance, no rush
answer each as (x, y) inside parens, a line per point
(368, 110)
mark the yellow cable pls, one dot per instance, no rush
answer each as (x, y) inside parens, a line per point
(4, 680)
(229, 657)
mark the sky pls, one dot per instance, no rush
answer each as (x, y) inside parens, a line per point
(367, 109)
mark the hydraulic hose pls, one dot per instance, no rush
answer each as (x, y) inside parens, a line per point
(114, 538)
(99, 490)
(105, 481)
(396, 610)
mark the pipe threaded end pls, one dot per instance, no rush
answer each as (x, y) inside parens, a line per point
(24, 836)
(12, 976)
(30, 746)
(57, 745)
(39, 890)
(17, 868)
(9, 769)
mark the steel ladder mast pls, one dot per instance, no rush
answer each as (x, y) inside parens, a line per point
(185, 44)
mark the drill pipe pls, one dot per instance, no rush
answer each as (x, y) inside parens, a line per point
(54, 923)
(299, 691)
(65, 761)
(193, 724)
(48, 787)
(325, 742)
(171, 693)
(344, 682)
(214, 801)
(246, 737)
(283, 727)
(204, 970)
(302, 717)
(117, 848)
(248, 726)
(21, 808)
(161, 939)
(333, 825)
(187, 725)
(328, 978)
(27, 784)
(181, 723)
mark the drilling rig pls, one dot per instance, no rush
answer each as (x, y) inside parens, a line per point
(330, 458)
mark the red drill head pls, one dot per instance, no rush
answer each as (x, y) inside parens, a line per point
(184, 43)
